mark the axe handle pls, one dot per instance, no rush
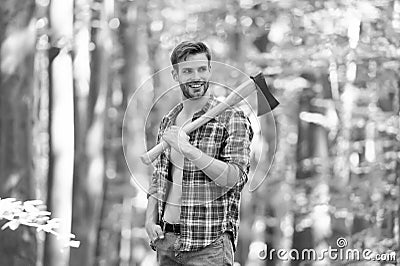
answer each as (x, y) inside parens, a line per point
(237, 95)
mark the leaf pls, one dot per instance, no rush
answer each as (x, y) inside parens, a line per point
(11, 224)
(31, 213)
(6, 205)
(30, 208)
(74, 243)
(34, 202)
(46, 227)
(9, 199)
(40, 228)
(44, 213)
(7, 216)
(54, 221)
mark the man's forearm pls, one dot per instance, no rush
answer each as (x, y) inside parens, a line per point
(222, 173)
(152, 210)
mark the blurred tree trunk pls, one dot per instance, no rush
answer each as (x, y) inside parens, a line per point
(61, 132)
(117, 242)
(303, 237)
(235, 35)
(320, 215)
(153, 48)
(314, 167)
(287, 167)
(130, 51)
(91, 116)
(17, 38)
(81, 92)
(397, 169)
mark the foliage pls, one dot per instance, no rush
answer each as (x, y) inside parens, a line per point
(32, 213)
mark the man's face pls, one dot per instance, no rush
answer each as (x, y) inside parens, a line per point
(193, 76)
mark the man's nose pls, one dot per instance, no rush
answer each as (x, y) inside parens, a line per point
(196, 74)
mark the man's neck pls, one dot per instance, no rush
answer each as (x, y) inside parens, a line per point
(190, 107)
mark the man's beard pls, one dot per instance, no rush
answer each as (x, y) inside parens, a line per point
(186, 89)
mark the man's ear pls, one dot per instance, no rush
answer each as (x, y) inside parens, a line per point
(174, 74)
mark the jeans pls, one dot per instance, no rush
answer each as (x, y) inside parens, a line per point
(220, 252)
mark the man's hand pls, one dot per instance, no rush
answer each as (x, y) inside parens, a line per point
(176, 138)
(154, 231)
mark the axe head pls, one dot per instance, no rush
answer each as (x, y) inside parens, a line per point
(265, 100)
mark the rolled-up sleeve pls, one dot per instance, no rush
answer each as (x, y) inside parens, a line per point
(155, 176)
(236, 149)
(153, 184)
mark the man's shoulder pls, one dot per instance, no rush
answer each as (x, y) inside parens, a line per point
(171, 113)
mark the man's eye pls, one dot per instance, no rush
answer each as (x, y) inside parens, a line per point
(186, 71)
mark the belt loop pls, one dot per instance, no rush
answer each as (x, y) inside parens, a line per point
(164, 224)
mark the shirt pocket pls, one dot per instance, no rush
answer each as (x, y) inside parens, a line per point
(211, 139)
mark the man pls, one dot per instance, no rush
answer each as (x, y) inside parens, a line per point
(192, 214)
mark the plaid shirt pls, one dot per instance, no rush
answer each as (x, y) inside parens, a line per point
(207, 209)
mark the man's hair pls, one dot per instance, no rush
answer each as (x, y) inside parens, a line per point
(186, 48)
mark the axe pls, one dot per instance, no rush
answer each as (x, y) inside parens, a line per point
(237, 95)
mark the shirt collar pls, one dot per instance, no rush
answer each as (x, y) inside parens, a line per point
(209, 104)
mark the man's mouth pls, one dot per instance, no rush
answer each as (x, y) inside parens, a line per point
(195, 85)
(194, 89)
